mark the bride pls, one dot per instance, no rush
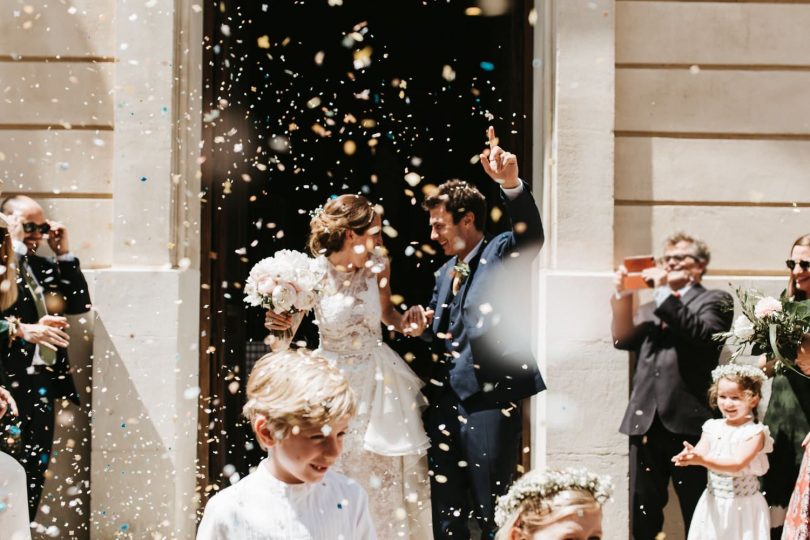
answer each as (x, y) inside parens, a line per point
(385, 446)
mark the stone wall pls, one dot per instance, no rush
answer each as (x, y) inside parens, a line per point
(99, 121)
(712, 135)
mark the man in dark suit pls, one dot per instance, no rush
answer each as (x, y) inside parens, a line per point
(39, 376)
(675, 354)
(483, 365)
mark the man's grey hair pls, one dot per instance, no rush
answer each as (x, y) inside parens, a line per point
(12, 203)
(700, 250)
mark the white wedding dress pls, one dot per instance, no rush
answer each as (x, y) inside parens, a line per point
(385, 447)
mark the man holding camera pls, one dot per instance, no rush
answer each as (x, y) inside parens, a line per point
(674, 355)
(39, 375)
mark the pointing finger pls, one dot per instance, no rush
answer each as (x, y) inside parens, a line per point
(485, 164)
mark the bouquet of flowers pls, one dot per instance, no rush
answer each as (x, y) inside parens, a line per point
(771, 326)
(284, 283)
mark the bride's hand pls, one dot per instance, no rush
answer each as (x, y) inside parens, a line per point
(277, 321)
(416, 320)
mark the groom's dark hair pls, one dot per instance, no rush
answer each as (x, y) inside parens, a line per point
(458, 197)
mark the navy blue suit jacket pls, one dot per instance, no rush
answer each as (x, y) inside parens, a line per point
(485, 355)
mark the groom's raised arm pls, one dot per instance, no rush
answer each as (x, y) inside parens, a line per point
(502, 167)
(527, 226)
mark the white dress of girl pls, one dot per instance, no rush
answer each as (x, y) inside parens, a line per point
(13, 500)
(732, 505)
(384, 449)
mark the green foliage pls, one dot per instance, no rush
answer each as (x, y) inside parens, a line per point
(778, 334)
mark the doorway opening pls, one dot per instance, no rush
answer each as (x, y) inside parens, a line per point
(303, 100)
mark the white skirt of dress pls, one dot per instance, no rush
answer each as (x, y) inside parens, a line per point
(738, 518)
(393, 402)
(13, 495)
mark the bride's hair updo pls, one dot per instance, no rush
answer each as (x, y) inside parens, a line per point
(328, 227)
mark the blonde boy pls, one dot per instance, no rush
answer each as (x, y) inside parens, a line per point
(299, 407)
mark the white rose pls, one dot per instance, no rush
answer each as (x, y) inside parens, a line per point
(265, 285)
(284, 296)
(743, 328)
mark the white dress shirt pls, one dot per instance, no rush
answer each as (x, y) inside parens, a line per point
(262, 507)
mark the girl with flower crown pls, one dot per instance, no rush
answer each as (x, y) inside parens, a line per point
(554, 504)
(733, 449)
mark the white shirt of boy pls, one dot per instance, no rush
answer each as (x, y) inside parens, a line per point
(262, 507)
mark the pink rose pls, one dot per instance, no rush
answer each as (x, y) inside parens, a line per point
(767, 306)
(265, 285)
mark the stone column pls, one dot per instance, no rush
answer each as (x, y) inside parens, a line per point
(147, 303)
(577, 418)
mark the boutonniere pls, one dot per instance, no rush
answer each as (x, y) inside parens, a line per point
(461, 271)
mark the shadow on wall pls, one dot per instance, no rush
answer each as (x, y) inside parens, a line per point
(128, 451)
(65, 501)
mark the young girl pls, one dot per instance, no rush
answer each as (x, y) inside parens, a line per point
(733, 450)
(549, 505)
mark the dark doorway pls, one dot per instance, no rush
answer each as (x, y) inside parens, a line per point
(304, 100)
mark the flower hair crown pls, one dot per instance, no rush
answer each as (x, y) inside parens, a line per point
(546, 484)
(740, 370)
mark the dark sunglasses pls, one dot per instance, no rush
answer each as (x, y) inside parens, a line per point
(676, 258)
(30, 227)
(804, 265)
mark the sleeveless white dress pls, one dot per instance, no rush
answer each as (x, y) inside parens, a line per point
(384, 449)
(732, 506)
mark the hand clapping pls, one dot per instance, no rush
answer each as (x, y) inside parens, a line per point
(687, 456)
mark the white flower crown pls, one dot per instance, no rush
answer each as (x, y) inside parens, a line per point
(740, 370)
(546, 484)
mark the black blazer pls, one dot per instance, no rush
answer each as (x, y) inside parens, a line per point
(486, 359)
(65, 289)
(674, 361)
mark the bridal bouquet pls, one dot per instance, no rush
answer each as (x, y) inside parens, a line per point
(771, 326)
(284, 283)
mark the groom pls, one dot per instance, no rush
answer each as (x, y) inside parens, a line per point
(483, 366)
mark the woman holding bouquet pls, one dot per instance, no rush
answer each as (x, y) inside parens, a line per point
(385, 445)
(788, 414)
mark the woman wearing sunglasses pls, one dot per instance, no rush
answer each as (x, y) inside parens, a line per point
(788, 414)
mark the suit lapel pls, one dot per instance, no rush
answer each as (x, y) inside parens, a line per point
(693, 292)
(473, 267)
(444, 294)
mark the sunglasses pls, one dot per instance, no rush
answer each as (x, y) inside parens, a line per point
(804, 265)
(676, 258)
(30, 227)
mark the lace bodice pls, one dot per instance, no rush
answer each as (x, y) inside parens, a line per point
(348, 310)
